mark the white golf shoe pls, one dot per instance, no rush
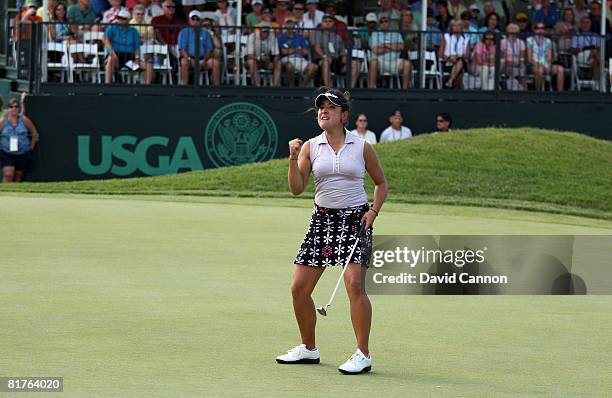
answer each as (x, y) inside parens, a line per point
(357, 363)
(299, 354)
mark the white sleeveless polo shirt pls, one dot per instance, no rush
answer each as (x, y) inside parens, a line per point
(339, 177)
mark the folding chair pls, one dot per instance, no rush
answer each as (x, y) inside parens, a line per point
(160, 57)
(61, 66)
(582, 74)
(90, 67)
(433, 73)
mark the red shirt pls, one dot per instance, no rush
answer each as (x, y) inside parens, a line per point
(342, 29)
(24, 30)
(168, 34)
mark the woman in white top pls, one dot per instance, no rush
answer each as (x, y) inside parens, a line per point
(361, 129)
(455, 50)
(338, 162)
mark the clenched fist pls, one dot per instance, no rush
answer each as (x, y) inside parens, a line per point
(294, 147)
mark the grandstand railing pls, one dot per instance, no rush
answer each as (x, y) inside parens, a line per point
(46, 60)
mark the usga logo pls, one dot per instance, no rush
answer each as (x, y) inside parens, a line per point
(237, 133)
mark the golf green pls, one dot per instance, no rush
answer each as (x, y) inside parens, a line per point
(180, 297)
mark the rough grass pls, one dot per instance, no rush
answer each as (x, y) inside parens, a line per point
(524, 168)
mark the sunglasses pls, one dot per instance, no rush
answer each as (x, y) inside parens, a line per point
(489, 38)
(362, 120)
(440, 120)
(13, 106)
(384, 20)
(298, 9)
(194, 18)
(169, 6)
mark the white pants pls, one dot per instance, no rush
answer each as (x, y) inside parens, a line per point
(487, 77)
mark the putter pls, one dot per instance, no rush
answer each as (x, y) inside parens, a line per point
(323, 310)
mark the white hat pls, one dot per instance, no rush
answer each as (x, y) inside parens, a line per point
(209, 15)
(474, 7)
(124, 13)
(371, 17)
(195, 13)
(256, 2)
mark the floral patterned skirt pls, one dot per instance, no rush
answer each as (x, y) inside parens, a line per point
(331, 236)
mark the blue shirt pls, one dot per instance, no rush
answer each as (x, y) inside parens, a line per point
(123, 39)
(582, 40)
(98, 6)
(549, 20)
(297, 41)
(20, 131)
(187, 41)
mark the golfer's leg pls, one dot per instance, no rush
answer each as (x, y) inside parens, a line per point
(305, 279)
(361, 309)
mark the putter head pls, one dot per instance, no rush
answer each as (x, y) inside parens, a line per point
(322, 311)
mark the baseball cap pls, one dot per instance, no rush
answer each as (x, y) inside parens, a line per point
(328, 16)
(383, 15)
(31, 3)
(195, 13)
(371, 17)
(312, 1)
(264, 26)
(256, 2)
(333, 98)
(475, 7)
(290, 18)
(521, 15)
(124, 13)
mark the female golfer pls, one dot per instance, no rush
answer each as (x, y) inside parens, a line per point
(338, 160)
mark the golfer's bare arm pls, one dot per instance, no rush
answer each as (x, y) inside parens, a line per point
(376, 173)
(300, 170)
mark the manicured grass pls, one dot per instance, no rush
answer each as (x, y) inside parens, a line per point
(525, 168)
(190, 297)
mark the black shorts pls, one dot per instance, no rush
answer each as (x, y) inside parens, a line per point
(123, 58)
(331, 236)
(19, 162)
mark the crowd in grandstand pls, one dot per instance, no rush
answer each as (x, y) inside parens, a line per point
(539, 41)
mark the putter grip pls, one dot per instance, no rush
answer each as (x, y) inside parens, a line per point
(362, 230)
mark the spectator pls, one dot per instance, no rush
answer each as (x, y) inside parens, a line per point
(366, 32)
(140, 21)
(433, 36)
(190, 54)
(313, 17)
(416, 10)
(444, 122)
(18, 137)
(254, 18)
(209, 22)
(585, 46)
(50, 9)
(580, 11)
(455, 51)
(548, 15)
(386, 50)
(81, 13)
(564, 30)
(539, 56)
(491, 23)
(361, 129)
(485, 61)
(23, 36)
(330, 53)
(513, 57)
(168, 34)
(340, 27)
(396, 131)
(226, 14)
(262, 53)
(298, 13)
(410, 31)
(266, 15)
(475, 16)
(122, 43)
(393, 13)
(110, 15)
(282, 11)
(294, 50)
(595, 15)
(443, 18)
(471, 27)
(456, 8)
(59, 30)
(522, 21)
